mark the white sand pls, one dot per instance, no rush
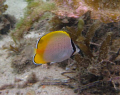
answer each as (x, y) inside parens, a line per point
(16, 7)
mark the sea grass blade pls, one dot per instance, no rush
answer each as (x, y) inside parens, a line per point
(72, 33)
(103, 52)
(85, 49)
(80, 27)
(91, 31)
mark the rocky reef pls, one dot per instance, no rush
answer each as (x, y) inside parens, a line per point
(93, 26)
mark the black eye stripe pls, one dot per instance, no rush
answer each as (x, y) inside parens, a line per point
(74, 48)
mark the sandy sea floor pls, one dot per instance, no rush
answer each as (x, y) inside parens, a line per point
(8, 77)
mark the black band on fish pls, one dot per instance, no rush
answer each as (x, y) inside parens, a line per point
(74, 48)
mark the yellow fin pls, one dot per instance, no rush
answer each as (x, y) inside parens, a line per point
(38, 59)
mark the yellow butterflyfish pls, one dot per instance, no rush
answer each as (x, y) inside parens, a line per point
(53, 47)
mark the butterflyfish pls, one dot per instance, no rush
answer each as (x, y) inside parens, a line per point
(55, 46)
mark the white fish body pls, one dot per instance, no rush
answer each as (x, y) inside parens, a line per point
(55, 46)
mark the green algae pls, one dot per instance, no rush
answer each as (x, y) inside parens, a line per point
(35, 10)
(3, 7)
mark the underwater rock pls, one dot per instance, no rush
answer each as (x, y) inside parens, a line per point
(7, 22)
(11, 19)
(4, 25)
(104, 10)
(32, 78)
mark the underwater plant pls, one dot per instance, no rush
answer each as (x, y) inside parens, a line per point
(3, 7)
(34, 12)
(94, 67)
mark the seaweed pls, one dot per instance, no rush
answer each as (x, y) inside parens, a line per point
(103, 52)
(97, 67)
(84, 42)
(93, 66)
(91, 31)
(29, 1)
(35, 10)
(11, 48)
(3, 7)
(80, 26)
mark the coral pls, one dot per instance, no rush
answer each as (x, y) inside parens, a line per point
(104, 10)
